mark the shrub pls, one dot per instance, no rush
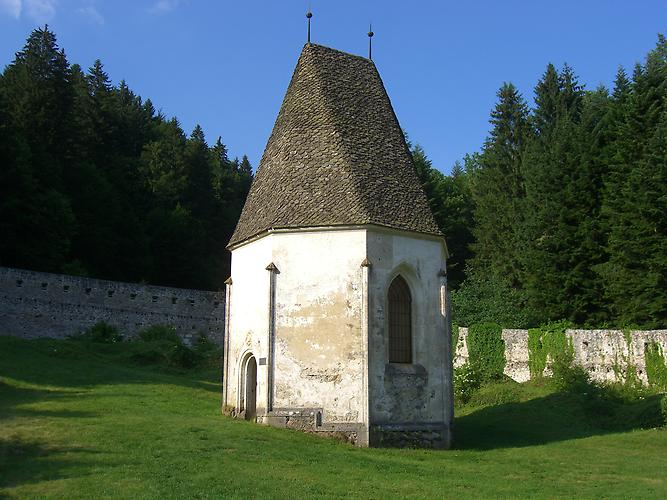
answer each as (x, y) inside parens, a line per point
(150, 353)
(486, 350)
(455, 338)
(656, 370)
(181, 356)
(160, 332)
(486, 297)
(205, 347)
(102, 332)
(165, 352)
(613, 406)
(537, 353)
(466, 382)
(161, 344)
(209, 351)
(570, 378)
(663, 409)
(498, 393)
(549, 342)
(631, 389)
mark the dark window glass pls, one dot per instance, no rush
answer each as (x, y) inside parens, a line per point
(400, 322)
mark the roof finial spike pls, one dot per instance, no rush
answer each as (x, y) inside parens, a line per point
(309, 14)
(370, 41)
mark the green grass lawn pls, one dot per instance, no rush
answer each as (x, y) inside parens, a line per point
(76, 424)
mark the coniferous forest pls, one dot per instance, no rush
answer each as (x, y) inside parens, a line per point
(95, 182)
(562, 215)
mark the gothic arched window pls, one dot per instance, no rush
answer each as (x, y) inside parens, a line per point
(400, 322)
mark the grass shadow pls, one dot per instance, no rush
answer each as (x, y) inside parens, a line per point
(555, 417)
(39, 361)
(14, 399)
(25, 461)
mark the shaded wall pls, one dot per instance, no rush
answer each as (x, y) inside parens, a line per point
(35, 304)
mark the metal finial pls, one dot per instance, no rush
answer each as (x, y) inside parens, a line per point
(370, 41)
(309, 14)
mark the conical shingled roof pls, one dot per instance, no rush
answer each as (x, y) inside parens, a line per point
(336, 156)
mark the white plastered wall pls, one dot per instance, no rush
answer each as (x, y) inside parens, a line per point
(248, 316)
(321, 326)
(319, 351)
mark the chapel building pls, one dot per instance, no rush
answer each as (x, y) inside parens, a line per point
(337, 307)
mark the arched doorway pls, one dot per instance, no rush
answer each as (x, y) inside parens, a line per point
(249, 392)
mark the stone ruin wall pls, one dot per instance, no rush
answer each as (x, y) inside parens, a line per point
(604, 354)
(35, 304)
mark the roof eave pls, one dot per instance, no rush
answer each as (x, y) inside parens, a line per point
(340, 227)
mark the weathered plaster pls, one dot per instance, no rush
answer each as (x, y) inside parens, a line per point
(318, 325)
(318, 348)
(330, 367)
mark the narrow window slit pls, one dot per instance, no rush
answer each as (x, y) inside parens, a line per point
(400, 322)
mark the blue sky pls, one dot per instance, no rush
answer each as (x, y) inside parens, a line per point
(226, 65)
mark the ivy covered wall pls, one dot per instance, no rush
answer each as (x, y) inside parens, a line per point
(607, 355)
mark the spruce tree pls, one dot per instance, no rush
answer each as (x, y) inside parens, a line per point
(547, 102)
(245, 169)
(634, 205)
(198, 195)
(563, 186)
(450, 201)
(36, 219)
(498, 189)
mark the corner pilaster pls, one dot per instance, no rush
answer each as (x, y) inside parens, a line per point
(365, 325)
(225, 358)
(270, 362)
(446, 326)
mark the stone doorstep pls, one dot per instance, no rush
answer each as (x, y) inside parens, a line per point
(292, 418)
(308, 414)
(295, 412)
(306, 420)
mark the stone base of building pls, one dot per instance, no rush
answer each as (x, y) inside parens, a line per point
(310, 420)
(421, 435)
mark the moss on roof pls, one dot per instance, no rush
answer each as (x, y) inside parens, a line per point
(336, 156)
